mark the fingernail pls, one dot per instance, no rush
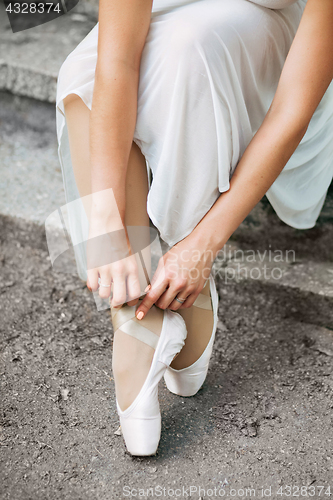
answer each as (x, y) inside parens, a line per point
(140, 315)
(147, 288)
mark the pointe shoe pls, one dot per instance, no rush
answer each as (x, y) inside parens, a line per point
(141, 421)
(187, 381)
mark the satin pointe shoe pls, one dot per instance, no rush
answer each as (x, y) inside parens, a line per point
(187, 381)
(141, 421)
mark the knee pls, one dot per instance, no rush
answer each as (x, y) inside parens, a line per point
(213, 33)
(187, 35)
(183, 36)
(193, 39)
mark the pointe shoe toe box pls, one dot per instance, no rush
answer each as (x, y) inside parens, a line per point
(142, 435)
(141, 421)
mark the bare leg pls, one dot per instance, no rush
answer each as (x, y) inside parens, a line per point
(199, 324)
(131, 357)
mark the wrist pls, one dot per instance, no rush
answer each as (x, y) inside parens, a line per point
(106, 219)
(210, 242)
(104, 248)
(104, 211)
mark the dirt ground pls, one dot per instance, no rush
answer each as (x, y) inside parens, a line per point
(264, 418)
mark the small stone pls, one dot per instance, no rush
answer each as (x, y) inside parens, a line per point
(321, 339)
(118, 431)
(64, 394)
(252, 431)
(151, 470)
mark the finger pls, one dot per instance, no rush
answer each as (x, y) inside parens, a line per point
(88, 285)
(119, 290)
(133, 289)
(159, 275)
(132, 302)
(168, 297)
(177, 288)
(190, 299)
(105, 283)
(175, 304)
(149, 300)
(93, 279)
(190, 293)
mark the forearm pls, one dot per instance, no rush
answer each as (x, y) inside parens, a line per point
(112, 125)
(262, 162)
(122, 32)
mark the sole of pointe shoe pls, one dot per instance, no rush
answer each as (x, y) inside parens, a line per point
(186, 382)
(141, 421)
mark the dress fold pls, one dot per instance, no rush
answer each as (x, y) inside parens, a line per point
(209, 71)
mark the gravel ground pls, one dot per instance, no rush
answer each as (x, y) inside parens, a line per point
(264, 417)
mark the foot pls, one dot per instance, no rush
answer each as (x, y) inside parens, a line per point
(138, 370)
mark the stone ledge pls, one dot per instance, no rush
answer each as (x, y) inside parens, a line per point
(27, 82)
(31, 59)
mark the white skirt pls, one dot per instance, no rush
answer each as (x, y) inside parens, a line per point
(209, 71)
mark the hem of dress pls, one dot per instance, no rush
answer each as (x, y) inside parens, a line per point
(301, 227)
(292, 224)
(149, 170)
(173, 242)
(75, 92)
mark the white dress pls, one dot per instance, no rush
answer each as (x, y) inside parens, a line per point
(209, 72)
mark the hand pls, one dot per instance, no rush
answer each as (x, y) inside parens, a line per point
(110, 258)
(182, 272)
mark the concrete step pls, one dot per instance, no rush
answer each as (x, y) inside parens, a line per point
(90, 6)
(31, 181)
(30, 60)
